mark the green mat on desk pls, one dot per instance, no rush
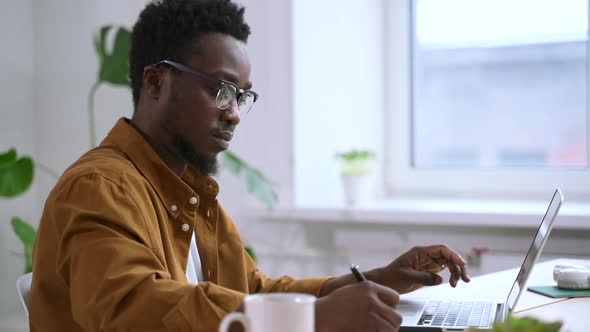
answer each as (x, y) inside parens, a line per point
(555, 292)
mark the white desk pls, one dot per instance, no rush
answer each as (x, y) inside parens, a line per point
(575, 313)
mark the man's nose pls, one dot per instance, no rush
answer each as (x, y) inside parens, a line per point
(232, 114)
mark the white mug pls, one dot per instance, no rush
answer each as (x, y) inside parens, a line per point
(273, 312)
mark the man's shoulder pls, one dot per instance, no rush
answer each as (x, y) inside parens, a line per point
(103, 163)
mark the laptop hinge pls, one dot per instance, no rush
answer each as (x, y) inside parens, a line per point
(501, 312)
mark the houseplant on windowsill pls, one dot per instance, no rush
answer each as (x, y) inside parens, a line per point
(355, 168)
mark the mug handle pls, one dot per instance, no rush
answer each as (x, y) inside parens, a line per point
(233, 317)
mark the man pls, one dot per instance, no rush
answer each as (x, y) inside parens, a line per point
(132, 236)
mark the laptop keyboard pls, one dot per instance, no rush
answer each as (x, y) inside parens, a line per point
(456, 313)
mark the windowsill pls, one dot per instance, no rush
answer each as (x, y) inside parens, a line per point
(447, 212)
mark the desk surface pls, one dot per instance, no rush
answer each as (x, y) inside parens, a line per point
(575, 313)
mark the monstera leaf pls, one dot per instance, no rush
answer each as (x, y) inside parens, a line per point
(26, 233)
(16, 174)
(114, 65)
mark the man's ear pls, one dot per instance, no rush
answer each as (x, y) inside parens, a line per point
(153, 81)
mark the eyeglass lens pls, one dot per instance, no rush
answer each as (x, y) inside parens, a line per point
(227, 94)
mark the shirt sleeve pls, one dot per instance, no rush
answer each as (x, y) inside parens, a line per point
(105, 257)
(260, 283)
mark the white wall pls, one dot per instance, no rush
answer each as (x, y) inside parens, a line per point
(16, 130)
(66, 66)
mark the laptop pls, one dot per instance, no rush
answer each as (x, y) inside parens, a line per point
(458, 315)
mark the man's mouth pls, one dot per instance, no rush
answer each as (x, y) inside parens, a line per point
(223, 138)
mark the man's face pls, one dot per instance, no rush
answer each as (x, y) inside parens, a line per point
(198, 128)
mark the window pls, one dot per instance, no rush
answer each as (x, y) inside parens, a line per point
(490, 97)
(490, 90)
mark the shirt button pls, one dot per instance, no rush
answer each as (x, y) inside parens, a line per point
(174, 208)
(193, 200)
(185, 227)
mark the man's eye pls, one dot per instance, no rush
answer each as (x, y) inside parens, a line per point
(215, 91)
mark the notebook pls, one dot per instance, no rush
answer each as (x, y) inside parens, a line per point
(556, 292)
(453, 315)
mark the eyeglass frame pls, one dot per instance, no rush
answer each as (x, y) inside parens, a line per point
(220, 82)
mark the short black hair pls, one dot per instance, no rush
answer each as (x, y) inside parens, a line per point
(170, 29)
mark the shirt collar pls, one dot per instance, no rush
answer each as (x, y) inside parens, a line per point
(172, 190)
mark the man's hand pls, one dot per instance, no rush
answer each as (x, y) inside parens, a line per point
(364, 306)
(419, 267)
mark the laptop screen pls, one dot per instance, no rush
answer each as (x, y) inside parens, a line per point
(535, 249)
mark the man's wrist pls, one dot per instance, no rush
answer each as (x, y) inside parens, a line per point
(375, 275)
(331, 285)
(327, 287)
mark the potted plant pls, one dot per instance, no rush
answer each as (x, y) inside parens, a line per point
(355, 168)
(16, 177)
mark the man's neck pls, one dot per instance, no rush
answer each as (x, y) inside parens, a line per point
(176, 163)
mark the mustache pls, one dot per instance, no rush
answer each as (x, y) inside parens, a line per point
(223, 129)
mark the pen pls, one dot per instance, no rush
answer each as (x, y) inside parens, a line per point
(358, 274)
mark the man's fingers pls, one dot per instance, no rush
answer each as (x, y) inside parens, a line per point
(388, 313)
(449, 258)
(464, 274)
(423, 278)
(386, 294)
(455, 274)
(442, 251)
(391, 322)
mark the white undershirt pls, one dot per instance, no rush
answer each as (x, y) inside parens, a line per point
(194, 270)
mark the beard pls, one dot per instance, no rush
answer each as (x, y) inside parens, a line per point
(205, 164)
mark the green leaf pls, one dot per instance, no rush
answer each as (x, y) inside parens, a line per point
(251, 252)
(16, 175)
(8, 157)
(26, 233)
(354, 155)
(523, 324)
(232, 162)
(257, 184)
(114, 66)
(260, 187)
(100, 41)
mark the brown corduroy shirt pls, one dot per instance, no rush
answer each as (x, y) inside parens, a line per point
(113, 242)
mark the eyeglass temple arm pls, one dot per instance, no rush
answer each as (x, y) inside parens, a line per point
(182, 67)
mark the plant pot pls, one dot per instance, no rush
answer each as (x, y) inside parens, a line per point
(356, 189)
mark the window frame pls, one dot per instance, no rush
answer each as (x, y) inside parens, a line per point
(401, 179)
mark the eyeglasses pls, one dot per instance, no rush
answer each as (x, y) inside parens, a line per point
(227, 91)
